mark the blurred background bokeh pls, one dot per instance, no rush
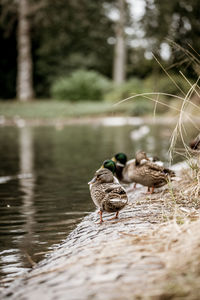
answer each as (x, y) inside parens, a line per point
(62, 60)
(97, 50)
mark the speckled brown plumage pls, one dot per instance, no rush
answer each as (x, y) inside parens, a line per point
(149, 174)
(106, 194)
(125, 169)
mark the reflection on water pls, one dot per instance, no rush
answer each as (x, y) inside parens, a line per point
(27, 209)
(46, 193)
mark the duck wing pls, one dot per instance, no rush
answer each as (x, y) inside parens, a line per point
(155, 167)
(115, 189)
(115, 198)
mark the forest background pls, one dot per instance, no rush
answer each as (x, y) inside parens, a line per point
(97, 50)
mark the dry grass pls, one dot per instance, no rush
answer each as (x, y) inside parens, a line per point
(177, 241)
(188, 102)
(178, 247)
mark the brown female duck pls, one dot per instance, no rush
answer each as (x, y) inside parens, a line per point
(125, 169)
(148, 173)
(106, 194)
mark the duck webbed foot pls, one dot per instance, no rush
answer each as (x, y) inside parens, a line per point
(132, 188)
(150, 190)
(115, 217)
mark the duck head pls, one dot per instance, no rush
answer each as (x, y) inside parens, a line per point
(110, 165)
(102, 176)
(139, 156)
(120, 158)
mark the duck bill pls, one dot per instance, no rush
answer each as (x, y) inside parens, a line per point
(92, 181)
(102, 167)
(114, 159)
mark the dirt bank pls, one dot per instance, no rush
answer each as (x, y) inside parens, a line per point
(132, 258)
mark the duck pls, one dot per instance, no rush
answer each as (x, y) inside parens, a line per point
(148, 173)
(110, 165)
(195, 143)
(124, 168)
(107, 194)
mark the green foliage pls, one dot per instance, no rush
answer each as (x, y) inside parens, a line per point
(174, 85)
(134, 86)
(81, 41)
(125, 90)
(155, 84)
(164, 84)
(180, 24)
(81, 85)
(84, 43)
(141, 107)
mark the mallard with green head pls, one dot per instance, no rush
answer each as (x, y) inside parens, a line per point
(148, 173)
(124, 168)
(107, 194)
(110, 165)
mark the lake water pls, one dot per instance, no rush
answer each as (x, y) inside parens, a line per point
(43, 182)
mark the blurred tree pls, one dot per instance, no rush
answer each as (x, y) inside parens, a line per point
(175, 24)
(14, 20)
(65, 35)
(24, 65)
(70, 35)
(119, 64)
(8, 50)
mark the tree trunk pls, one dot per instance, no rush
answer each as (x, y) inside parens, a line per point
(120, 46)
(24, 72)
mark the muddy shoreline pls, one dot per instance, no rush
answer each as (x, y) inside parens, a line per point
(92, 258)
(107, 261)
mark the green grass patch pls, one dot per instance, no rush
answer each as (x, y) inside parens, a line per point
(49, 109)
